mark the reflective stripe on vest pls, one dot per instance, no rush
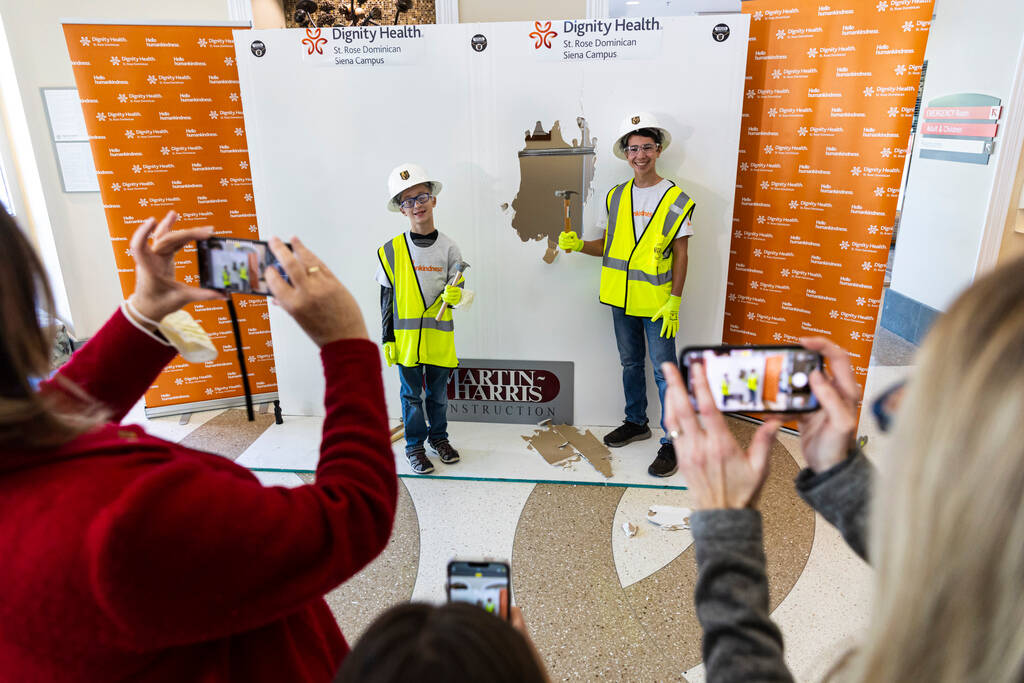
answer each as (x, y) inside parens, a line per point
(637, 275)
(419, 339)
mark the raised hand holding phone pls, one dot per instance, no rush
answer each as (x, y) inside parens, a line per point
(717, 470)
(828, 435)
(157, 292)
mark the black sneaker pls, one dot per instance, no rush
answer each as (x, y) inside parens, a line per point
(445, 451)
(418, 460)
(627, 433)
(665, 464)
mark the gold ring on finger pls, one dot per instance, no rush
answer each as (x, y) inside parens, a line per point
(312, 269)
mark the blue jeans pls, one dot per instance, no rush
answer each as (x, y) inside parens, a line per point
(435, 380)
(630, 331)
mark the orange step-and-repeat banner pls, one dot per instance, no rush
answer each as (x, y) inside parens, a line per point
(164, 114)
(831, 91)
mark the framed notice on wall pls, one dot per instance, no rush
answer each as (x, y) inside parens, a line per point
(70, 140)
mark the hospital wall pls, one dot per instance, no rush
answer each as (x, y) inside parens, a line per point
(974, 47)
(77, 226)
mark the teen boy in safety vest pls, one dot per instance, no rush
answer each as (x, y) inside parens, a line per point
(416, 268)
(642, 275)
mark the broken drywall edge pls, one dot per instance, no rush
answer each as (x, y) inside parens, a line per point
(570, 462)
(553, 443)
(546, 442)
(669, 518)
(547, 163)
(588, 445)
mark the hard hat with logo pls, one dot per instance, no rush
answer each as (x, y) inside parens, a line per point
(405, 176)
(634, 122)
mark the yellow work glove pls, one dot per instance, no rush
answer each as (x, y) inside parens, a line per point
(570, 241)
(390, 353)
(451, 295)
(669, 314)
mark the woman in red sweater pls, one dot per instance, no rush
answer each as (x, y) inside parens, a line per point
(126, 557)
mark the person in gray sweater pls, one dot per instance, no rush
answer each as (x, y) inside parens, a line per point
(949, 557)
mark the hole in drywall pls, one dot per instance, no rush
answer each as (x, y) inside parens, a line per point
(549, 165)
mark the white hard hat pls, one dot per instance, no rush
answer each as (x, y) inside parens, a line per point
(405, 176)
(635, 122)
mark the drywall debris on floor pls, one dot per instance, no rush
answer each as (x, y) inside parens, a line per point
(668, 517)
(560, 444)
(629, 529)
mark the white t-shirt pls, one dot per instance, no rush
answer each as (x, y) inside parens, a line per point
(645, 202)
(435, 265)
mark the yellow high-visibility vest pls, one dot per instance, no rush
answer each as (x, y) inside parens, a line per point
(752, 382)
(419, 339)
(636, 275)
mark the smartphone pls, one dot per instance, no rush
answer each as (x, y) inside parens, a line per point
(485, 584)
(236, 265)
(756, 379)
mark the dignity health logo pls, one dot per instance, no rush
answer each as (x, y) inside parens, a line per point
(314, 41)
(542, 35)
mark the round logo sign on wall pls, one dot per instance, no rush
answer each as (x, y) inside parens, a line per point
(258, 48)
(720, 33)
(478, 42)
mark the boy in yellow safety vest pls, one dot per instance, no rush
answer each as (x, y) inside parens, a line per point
(642, 274)
(416, 269)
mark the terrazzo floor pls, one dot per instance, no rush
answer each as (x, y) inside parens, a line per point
(598, 605)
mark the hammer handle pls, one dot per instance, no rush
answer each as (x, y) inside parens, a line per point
(568, 220)
(444, 304)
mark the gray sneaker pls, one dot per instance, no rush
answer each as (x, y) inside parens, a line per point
(418, 460)
(445, 451)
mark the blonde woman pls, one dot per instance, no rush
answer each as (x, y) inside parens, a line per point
(948, 537)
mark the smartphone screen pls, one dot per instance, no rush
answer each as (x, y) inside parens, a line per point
(236, 265)
(757, 379)
(485, 584)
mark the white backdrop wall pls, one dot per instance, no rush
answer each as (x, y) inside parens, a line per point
(322, 139)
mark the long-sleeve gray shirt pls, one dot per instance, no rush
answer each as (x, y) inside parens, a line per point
(741, 643)
(443, 259)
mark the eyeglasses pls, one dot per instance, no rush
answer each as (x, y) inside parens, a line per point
(418, 200)
(646, 149)
(885, 406)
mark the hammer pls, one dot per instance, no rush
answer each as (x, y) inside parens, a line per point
(459, 270)
(566, 196)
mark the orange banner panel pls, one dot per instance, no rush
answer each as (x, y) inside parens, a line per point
(164, 115)
(831, 92)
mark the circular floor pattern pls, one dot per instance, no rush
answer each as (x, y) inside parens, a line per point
(386, 581)
(586, 625)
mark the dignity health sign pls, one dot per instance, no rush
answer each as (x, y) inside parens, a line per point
(363, 46)
(638, 38)
(561, 41)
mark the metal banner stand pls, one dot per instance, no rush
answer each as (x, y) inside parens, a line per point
(241, 361)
